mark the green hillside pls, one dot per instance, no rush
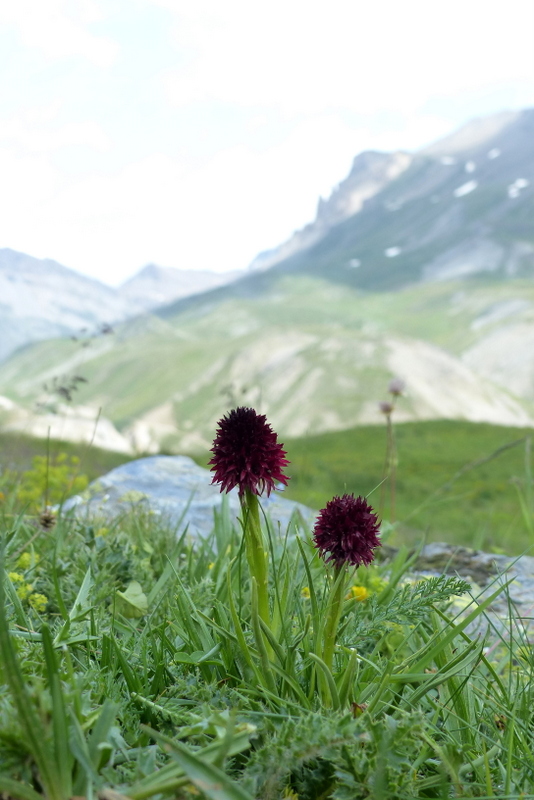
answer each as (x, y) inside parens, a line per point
(17, 452)
(314, 355)
(456, 482)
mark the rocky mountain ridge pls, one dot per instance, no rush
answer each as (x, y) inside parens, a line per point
(371, 172)
(461, 206)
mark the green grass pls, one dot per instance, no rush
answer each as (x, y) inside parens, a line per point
(18, 450)
(133, 661)
(456, 481)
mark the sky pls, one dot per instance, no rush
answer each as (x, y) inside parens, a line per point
(197, 133)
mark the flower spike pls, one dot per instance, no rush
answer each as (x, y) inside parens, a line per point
(347, 530)
(247, 454)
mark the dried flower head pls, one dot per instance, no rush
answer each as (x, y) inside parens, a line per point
(396, 387)
(247, 454)
(47, 520)
(386, 407)
(347, 530)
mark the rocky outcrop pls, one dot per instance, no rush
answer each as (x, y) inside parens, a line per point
(371, 172)
(177, 490)
(511, 613)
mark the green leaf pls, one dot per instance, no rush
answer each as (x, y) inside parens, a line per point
(132, 603)
(18, 791)
(60, 722)
(211, 780)
(329, 678)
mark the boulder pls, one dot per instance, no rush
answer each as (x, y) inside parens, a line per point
(177, 489)
(486, 572)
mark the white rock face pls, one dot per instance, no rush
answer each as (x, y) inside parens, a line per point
(441, 387)
(79, 424)
(507, 356)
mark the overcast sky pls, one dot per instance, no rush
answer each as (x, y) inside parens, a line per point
(196, 133)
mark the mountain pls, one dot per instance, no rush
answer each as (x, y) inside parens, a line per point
(41, 299)
(370, 173)
(154, 286)
(418, 266)
(462, 206)
(313, 355)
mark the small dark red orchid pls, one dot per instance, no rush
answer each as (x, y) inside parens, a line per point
(247, 454)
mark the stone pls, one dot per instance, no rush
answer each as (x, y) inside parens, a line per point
(486, 572)
(178, 490)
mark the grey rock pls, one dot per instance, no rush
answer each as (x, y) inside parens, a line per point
(178, 490)
(486, 572)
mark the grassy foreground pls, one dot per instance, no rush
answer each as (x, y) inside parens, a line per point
(135, 662)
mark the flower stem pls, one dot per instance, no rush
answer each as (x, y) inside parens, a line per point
(256, 553)
(333, 614)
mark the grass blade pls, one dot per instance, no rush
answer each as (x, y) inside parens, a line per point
(209, 779)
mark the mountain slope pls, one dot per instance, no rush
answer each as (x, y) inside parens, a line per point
(154, 286)
(461, 206)
(313, 355)
(41, 299)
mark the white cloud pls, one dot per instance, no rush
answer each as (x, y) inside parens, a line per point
(289, 93)
(26, 134)
(216, 216)
(57, 29)
(309, 58)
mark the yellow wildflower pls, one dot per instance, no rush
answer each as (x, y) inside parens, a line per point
(358, 593)
(25, 560)
(24, 589)
(15, 577)
(305, 593)
(38, 602)
(211, 564)
(377, 583)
